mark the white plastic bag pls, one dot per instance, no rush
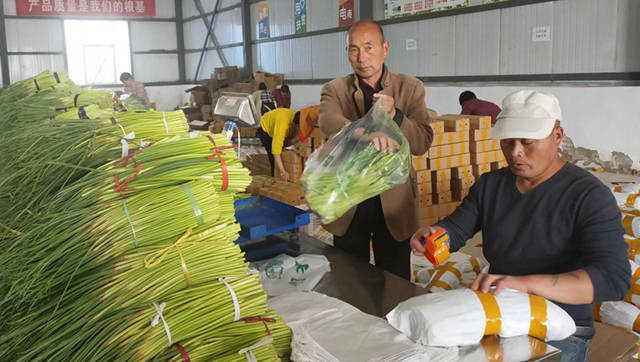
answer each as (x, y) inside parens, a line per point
(458, 317)
(284, 273)
(458, 271)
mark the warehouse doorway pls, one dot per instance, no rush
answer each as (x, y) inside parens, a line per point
(97, 51)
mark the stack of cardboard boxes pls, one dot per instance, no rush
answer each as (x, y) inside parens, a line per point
(486, 154)
(295, 160)
(282, 191)
(461, 151)
(257, 164)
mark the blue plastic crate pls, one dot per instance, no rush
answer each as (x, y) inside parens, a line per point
(261, 216)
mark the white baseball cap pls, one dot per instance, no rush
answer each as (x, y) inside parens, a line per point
(527, 114)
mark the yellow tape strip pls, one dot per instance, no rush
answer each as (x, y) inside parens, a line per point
(636, 324)
(635, 289)
(476, 266)
(492, 349)
(631, 199)
(492, 312)
(634, 247)
(617, 188)
(446, 267)
(627, 223)
(538, 325)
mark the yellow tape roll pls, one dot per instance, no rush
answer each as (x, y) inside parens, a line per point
(538, 325)
(492, 312)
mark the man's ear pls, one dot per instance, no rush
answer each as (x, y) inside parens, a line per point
(558, 134)
(386, 46)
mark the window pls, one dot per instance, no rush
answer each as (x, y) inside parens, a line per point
(97, 51)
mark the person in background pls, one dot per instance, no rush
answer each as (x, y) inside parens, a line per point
(263, 99)
(473, 106)
(549, 228)
(134, 88)
(390, 218)
(282, 96)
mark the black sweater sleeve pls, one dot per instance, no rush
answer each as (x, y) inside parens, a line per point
(603, 250)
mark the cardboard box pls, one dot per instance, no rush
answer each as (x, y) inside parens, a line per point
(459, 195)
(438, 210)
(454, 122)
(442, 197)
(484, 146)
(480, 134)
(449, 149)
(462, 172)
(479, 122)
(612, 344)
(207, 112)
(449, 162)
(425, 200)
(271, 80)
(499, 164)
(226, 73)
(485, 157)
(443, 175)
(423, 176)
(437, 126)
(481, 169)
(461, 184)
(419, 162)
(440, 186)
(449, 137)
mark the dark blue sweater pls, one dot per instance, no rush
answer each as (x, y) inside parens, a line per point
(568, 222)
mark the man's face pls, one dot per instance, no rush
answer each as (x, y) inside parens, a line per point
(128, 82)
(530, 158)
(367, 51)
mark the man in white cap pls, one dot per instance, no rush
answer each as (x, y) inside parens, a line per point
(548, 227)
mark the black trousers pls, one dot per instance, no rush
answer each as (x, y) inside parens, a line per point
(368, 224)
(266, 142)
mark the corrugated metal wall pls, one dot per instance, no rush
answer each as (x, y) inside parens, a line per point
(587, 36)
(227, 28)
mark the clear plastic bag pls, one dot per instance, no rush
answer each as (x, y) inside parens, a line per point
(351, 167)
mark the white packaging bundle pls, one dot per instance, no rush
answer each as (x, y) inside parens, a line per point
(284, 273)
(620, 314)
(633, 296)
(627, 188)
(458, 271)
(631, 224)
(628, 199)
(435, 319)
(634, 248)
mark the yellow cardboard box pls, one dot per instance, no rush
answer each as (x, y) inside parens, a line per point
(449, 149)
(449, 137)
(485, 157)
(479, 122)
(419, 162)
(425, 200)
(442, 197)
(480, 134)
(438, 210)
(449, 162)
(481, 169)
(437, 126)
(484, 146)
(462, 172)
(454, 122)
(499, 164)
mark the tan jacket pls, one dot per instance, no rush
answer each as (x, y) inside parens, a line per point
(342, 101)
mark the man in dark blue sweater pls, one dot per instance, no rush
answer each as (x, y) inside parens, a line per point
(548, 227)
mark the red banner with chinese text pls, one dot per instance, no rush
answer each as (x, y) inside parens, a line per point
(101, 8)
(345, 13)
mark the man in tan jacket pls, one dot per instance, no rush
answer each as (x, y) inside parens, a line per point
(390, 218)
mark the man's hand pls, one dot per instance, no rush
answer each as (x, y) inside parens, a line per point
(484, 282)
(416, 245)
(388, 103)
(383, 143)
(285, 175)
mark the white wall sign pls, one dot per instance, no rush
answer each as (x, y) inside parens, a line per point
(541, 33)
(411, 44)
